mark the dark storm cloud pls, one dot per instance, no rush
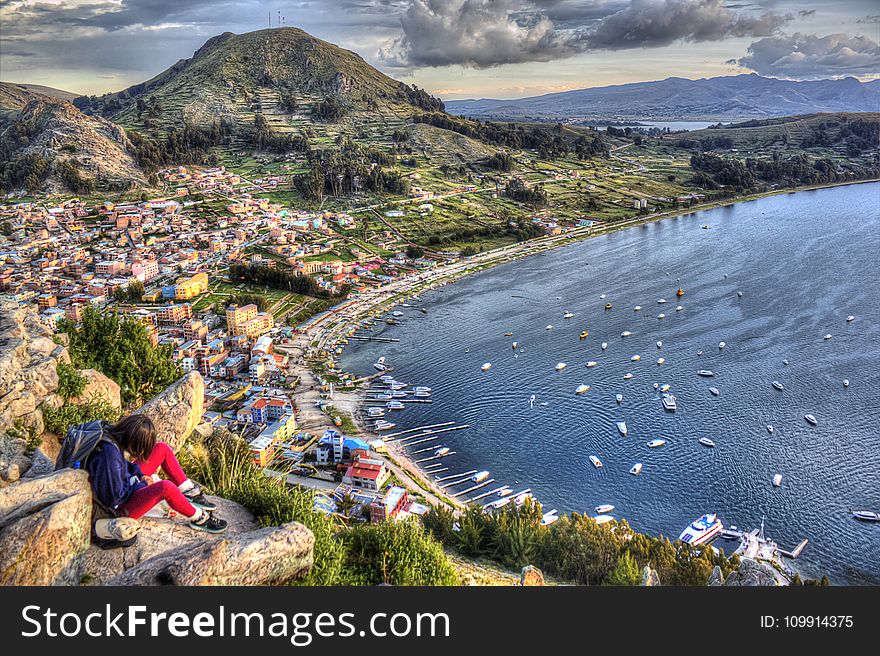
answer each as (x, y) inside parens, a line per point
(484, 33)
(804, 56)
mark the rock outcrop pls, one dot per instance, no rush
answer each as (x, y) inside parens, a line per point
(99, 388)
(159, 535)
(45, 526)
(649, 577)
(28, 357)
(28, 378)
(178, 410)
(751, 573)
(263, 557)
(531, 576)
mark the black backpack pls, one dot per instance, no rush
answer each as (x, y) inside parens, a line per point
(80, 443)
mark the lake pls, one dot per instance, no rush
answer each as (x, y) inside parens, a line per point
(803, 263)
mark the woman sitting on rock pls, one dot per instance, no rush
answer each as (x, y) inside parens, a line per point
(129, 487)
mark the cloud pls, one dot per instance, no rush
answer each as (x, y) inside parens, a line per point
(485, 33)
(656, 23)
(478, 33)
(805, 56)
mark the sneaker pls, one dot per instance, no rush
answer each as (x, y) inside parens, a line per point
(210, 524)
(196, 497)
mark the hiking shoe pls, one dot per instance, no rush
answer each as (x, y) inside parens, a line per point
(210, 524)
(196, 497)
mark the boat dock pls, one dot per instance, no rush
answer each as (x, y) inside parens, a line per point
(385, 340)
(475, 487)
(794, 553)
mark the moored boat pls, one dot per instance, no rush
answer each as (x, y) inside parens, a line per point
(866, 515)
(592, 363)
(811, 420)
(777, 480)
(715, 391)
(636, 469)
(581, 389)
(596, 462)
(668, 403)
(621, 426)
(705, 373)
(777, 385)
(702, 530)
(618, 398)
(560, 366)
(486, 366)
(603, 519)
(603, 509)
(480, 476)
(653, 444)
(705, 441)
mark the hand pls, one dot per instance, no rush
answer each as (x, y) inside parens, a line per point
(147, 479)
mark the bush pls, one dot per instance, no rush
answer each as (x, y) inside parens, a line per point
(70, 383)
(58, 420)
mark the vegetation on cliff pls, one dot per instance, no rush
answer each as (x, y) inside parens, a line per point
(120, 348)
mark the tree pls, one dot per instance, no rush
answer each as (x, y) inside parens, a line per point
(414, 252)
(121, 349)
(625, 572)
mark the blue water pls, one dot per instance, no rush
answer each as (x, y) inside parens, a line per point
(803, 263)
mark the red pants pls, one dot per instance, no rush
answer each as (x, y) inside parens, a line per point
(141, 501)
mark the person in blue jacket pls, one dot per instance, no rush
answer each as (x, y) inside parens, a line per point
(122, 471)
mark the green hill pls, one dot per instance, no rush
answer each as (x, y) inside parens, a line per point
(294, 80)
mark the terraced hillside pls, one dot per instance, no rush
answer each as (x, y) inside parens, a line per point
(296, 81)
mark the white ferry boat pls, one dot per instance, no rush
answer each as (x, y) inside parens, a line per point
(702, 530)
(669, 403)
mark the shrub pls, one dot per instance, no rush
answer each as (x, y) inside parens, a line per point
(70, 383)
(59, 420)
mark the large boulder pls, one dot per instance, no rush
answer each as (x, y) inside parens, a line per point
(45, 527)
(753, 573)
(263, 557)
(99, 388)
(177, 410)
(28, 357)
(159, 535)
(650, 577)
(531, 576)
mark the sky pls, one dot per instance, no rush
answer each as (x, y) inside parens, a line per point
(455, 48)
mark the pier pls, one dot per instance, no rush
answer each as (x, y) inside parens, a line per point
(475, 487)
(385, 340)
(486, 494)
(794, 553)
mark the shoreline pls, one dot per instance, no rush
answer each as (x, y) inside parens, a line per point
(353, 312)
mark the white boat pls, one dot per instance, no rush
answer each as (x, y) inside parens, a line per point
(811, 419)
(653, 444)
(770, 428)
(702, 530)
(827, 336)
(422, 388)
(668, 403)
(785, 362)
(776, 384)
(846, 382)
(661, 301)
(549, 327)
(375, 413)
(515, 344)
(486, 366)
(627, 376)
(422, 395)
(561, 366)
(603, 519)
(705, 373)
(866, 515)
(397, 313)
(621, 426)
(656, 386)
(596, 462)
(637, 308)
(699, 353)
(777, 480)
(442, 451)
(661, 316)
(636, 469)
(379, 366)
(618, 398)
(850, 318)
(661, 360)
(679, 308)
(567, 315)
(480, 476)
(635, 358)
(549, 518)
(581, 389)
(394, 405)
(383, 425)
(602, 296)
(705, 441)
(721, 345)
(604, 345)
(665, 387)
(604, 509)
(625, 333)
(659, 344)
(715, 391)
(520, 499)
(739, 294)
(592, 363)
(383, 397)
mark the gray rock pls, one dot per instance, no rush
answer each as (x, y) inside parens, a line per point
(716, 578)
(531, 576)
(178, 410)
(753, 573)
(263, 557)
(45, 526)
(649, 577)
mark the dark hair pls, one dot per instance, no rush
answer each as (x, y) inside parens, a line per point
(135, 434)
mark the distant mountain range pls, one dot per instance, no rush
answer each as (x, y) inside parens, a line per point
(675, 98)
